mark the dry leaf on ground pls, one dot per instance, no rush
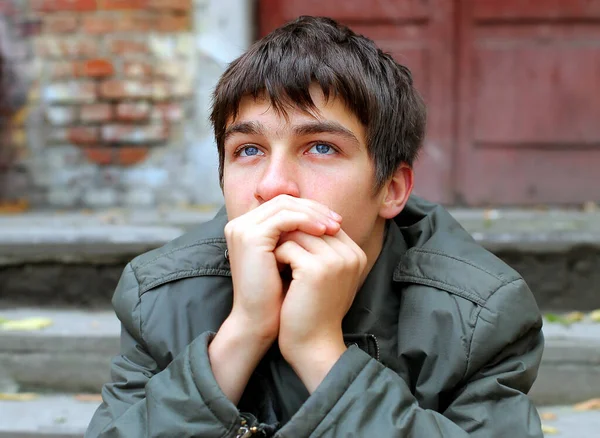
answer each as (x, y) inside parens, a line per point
(575, 316)
(595, 315)
(549, 430)
(589, 405)
(26, 324)
(23, 396)
(88, 397)
(548, 416)
(14, 207)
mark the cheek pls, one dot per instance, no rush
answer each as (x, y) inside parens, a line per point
(239, 196)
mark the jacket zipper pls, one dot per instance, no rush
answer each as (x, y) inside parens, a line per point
(376, 345)
(248, 426)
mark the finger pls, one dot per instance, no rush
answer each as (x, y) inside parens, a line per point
(286, 221)
(313, 244)
(343, 237)
(286, 202)
(291, 253)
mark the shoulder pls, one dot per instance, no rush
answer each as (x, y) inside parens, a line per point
(442, 254)
(199, 252)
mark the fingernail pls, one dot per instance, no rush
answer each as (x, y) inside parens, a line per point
(334, 215)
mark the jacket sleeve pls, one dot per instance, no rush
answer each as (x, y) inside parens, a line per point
(362, 397)
(183, 400)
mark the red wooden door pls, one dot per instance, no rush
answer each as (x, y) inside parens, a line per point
(529, 102)
(419, 34)
(512, 89)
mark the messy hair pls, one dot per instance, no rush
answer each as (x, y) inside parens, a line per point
(315, 50)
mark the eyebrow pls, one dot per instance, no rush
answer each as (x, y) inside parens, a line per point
(326, 127)
(317, 127)
(248, 128)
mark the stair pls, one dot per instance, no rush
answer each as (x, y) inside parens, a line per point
(72, 356)
(65, 267)
(75, 259)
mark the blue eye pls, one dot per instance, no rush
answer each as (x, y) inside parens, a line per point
(322, 149)
(248, 151)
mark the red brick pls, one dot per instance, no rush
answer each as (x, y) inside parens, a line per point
(135, 134)
(82, 135)
(95, 68)
(61, 70)
(138, 69)
(173, 23)
(170, 112)
(96, 113)
(133, 112)
(60, 23)
(128, 156)
(122, 4)
(98, 24)
(63, 5)
(174, 5)
(117, 89)
(138, 21)
(66, 47)
(100, 155)
(72, 91)
(125, 46)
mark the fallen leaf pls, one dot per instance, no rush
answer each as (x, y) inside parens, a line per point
(22, 396)
(26, 324)
(595, 315)
(549, 430)
(14, 207)
(548, 416)
(552, 317)
(574, 316)
(589, 405)
(88, 397)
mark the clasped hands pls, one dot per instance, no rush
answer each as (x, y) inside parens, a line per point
(304, 314)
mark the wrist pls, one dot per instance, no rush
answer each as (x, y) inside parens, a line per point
(234, 354)
(313, 360)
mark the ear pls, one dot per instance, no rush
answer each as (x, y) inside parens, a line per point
(396, 192)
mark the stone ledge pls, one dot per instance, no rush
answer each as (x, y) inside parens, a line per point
(63, 416)
(79, 346)
(117, 235)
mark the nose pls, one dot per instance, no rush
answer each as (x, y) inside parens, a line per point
(279, 178)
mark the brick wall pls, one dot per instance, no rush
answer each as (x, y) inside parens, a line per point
(110, 108)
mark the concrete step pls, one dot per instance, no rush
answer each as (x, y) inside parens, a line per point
(49, 416)
(74, 355)
(75, 258)
(71, 355)
(63, 416)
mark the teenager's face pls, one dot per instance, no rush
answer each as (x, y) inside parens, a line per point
(321, 157)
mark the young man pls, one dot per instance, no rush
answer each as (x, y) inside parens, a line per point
(326, 301)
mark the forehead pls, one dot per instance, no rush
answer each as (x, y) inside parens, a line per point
(261, 110)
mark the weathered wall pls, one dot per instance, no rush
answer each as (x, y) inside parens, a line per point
(116, 111)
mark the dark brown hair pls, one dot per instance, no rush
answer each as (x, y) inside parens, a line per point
(282, 66)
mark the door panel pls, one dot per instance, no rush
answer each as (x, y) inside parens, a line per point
(529, 102)
(419, 34)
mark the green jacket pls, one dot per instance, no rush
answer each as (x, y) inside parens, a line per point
(444, 341)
